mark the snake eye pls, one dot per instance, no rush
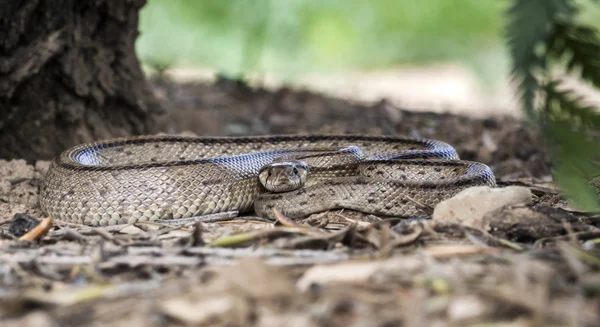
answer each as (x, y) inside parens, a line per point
(295, 170)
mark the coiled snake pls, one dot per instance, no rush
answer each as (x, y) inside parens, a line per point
(150, 178)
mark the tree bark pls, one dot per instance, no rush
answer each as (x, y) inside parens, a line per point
(69, 74)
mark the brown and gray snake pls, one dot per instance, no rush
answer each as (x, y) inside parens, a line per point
(153, 178)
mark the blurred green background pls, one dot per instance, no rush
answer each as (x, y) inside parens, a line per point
(288, 38)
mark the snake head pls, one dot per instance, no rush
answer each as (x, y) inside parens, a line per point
(283, 176)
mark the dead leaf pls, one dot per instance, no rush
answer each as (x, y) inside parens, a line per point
(450, 250)
(348, 272)
(212, 311)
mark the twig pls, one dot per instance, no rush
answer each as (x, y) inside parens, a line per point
(285, 221)
(38, 232)
(212, 218)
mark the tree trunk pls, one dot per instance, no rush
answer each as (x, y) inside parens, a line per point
(69, 74)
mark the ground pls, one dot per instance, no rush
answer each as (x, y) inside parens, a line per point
(531, 265)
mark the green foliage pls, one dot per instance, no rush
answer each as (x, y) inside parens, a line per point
(297, 36)
(158, 65)
(530, 26)
(256, 33)
(581, 44)
(543, 36)
(565, 105)
(570, 128)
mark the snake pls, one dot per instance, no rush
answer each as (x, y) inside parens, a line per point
(155, 178)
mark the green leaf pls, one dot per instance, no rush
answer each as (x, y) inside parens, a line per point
(566, 105)
(576, 150)
(256, 27)
(539, 31)
(582, 46)
(530, 26)
(574, 169)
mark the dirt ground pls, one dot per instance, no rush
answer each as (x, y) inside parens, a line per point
(533, 265)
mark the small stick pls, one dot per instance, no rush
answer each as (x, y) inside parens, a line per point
(212, 218)
(39, 231)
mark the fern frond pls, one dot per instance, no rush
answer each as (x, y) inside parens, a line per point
(529, 27)
(581, 44)
(565, 104)
(543, 30)
(570, 127)
(574, 169)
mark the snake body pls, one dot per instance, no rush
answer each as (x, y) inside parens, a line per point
(150, 178)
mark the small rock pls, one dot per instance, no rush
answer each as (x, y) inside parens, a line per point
(522, 223)
(21, 224)
(467, 307)
(5, 187)
(42, 166)
(469, 206)
(15, 170)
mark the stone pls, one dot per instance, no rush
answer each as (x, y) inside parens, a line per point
(469, 206)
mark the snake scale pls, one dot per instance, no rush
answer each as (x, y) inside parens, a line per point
(152, 178)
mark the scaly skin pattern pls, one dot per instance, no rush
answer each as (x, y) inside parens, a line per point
(152, 178)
